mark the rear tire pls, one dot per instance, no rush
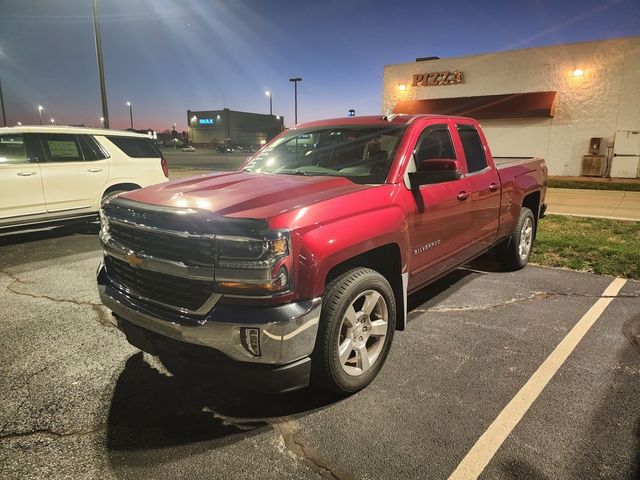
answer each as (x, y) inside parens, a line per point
(355, 332)
(517, 249)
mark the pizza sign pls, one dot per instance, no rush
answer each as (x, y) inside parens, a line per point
(435, 79)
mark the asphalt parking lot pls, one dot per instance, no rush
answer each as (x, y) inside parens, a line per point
(79, 402)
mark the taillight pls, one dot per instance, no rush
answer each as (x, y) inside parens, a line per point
(165, 166)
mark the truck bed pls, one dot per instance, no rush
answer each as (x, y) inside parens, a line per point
(502, 162)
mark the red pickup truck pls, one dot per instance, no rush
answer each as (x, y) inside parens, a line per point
(296, 268)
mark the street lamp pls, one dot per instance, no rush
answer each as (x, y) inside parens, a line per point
(102, 122)
(295, 96)
(53, 121)
(19, 124)
(130, 113)
(268, 94)
(40, 108)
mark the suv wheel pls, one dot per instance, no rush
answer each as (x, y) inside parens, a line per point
(355, 332)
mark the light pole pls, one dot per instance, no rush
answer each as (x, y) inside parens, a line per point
(130, 113)
(4, 115)
(268, 94)
(98, 40)
(295, 96)
(40, 108)
(53, 121)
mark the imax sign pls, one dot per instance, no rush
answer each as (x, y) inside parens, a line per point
(206, 121)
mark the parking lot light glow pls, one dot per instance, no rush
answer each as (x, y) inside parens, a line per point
(53, 121)
(268, 94)
(40, 108)
(130, 114)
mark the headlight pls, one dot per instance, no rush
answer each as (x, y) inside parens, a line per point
(254, 266)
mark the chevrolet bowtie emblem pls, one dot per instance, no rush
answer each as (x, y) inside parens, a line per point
(134, 260)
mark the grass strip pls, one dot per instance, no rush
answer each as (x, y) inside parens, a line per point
(626, 187)
(602, 246)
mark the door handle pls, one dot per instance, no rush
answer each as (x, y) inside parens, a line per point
(94, 170)
(493, 187)
(463, 196)
(26, 174)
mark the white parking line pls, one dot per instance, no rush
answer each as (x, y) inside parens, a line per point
(487, 445)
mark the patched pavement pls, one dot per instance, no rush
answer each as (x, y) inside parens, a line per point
(79, 402)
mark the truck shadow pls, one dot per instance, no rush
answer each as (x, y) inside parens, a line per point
(155, 417)
(439, 290)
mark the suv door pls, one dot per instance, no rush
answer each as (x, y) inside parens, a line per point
(484, 187)
(439, 226)
(21, 196)
(72, 177)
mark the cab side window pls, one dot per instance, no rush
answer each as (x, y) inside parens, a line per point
(12, 150)
(60, 147)
(473, 148)
(434, 144)
(434, 151)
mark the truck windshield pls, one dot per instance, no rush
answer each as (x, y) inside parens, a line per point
(362, 153)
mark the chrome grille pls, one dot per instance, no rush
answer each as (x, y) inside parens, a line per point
(160, 288)
(189, 250)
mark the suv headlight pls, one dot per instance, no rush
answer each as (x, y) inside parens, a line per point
(254, 266)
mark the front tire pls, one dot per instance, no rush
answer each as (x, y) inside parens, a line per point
(518, 247)
(355, 332)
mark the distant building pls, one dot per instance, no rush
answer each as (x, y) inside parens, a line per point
(219, 127)
(575, 105)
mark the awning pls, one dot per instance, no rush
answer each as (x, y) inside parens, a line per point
(510, 105)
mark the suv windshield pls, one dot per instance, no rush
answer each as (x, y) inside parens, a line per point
(361, 153)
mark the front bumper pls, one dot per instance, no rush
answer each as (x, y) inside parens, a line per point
(287, 332)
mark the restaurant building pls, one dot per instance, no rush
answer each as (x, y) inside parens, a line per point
(577, 106)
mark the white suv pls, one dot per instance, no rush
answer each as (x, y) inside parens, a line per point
(61, 174)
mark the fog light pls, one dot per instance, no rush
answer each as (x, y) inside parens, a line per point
(250, 338)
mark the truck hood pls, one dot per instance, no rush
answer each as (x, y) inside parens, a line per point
(244, 194)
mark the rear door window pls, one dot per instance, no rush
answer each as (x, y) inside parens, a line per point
(12, 150)
(473, 148)
(91, 150)
(60, 147)
(136, 147)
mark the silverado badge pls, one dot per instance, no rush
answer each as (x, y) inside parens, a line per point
(134, 260)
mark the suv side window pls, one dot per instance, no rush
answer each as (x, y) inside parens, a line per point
(60, 147)
(91, 149)
(12, 150)
(136, 147)
(473, 148)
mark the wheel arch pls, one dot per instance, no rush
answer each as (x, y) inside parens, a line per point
(126, 186)
(386, 260)
(532, 202)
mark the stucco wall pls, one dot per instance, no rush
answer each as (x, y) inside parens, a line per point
(605, 99)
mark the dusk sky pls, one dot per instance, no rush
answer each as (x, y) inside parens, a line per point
(167, 56)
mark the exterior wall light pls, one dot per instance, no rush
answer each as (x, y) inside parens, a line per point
(578, 72)
(402, 87)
